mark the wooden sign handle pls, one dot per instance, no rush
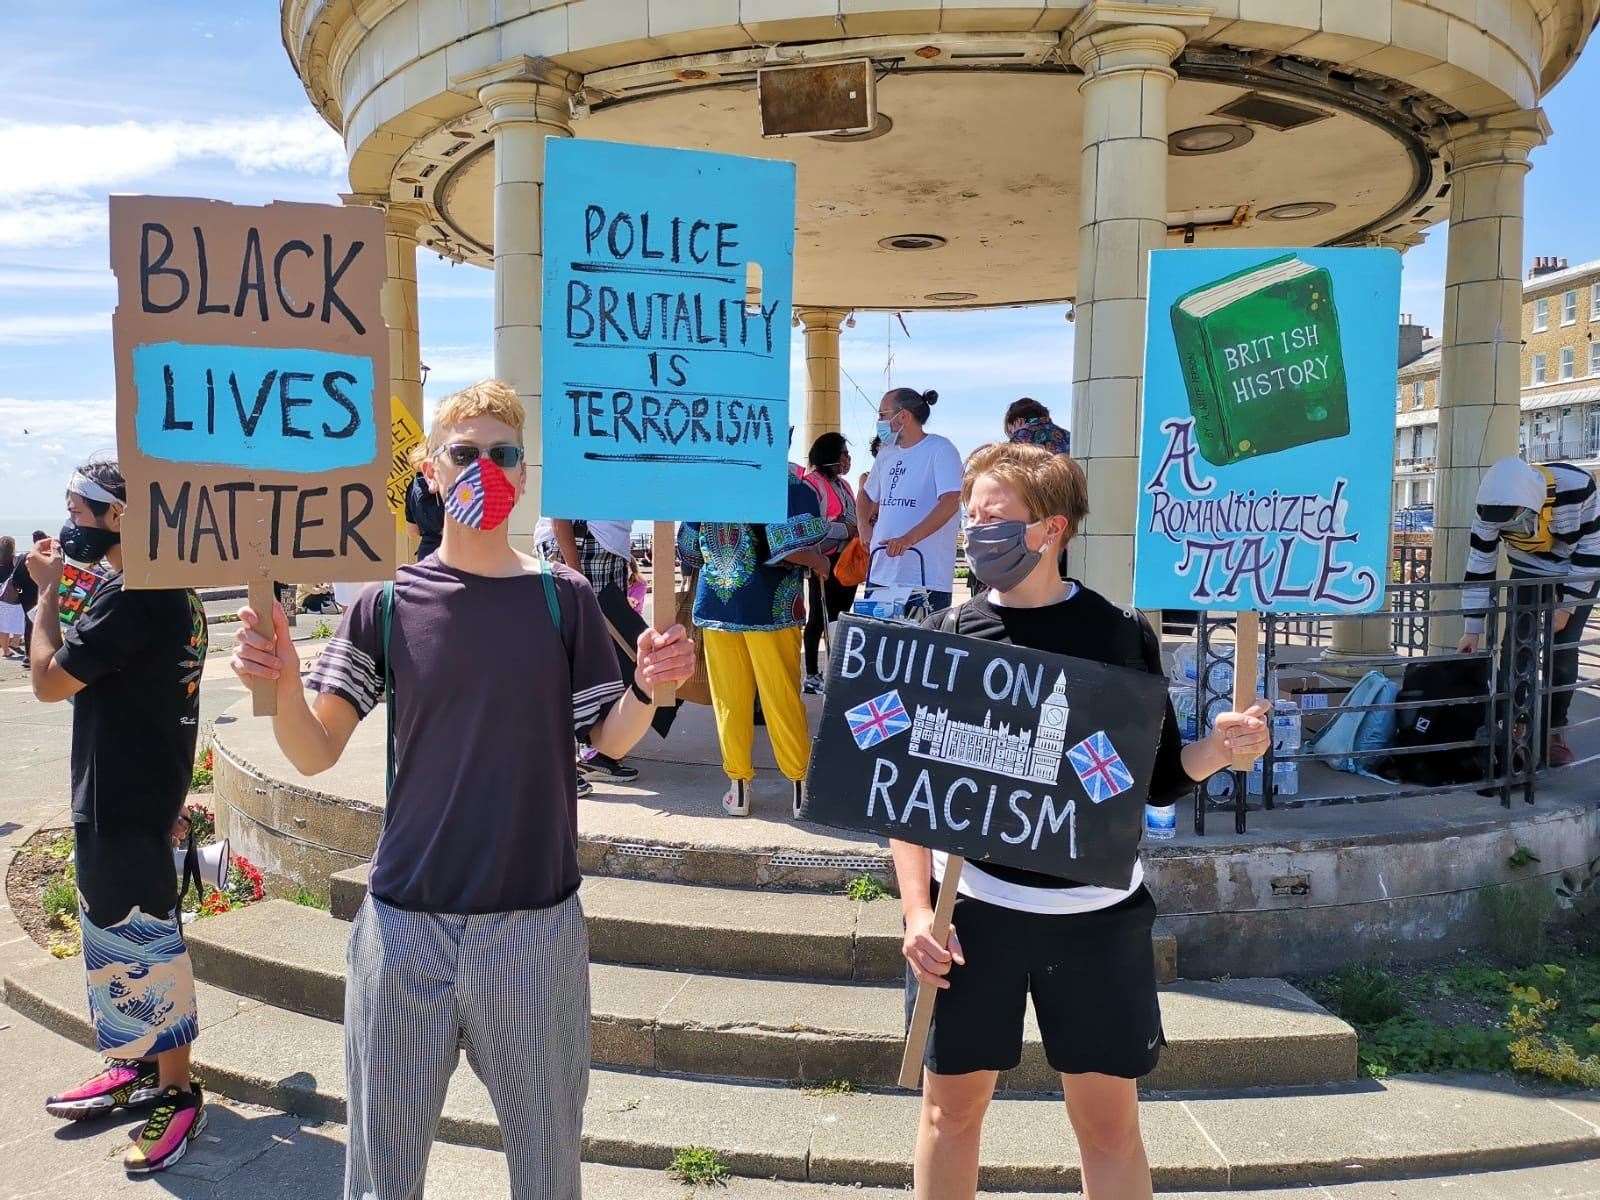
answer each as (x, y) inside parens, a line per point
(263, 692)
(1244, 674)
(922, 1012)
(664, 586)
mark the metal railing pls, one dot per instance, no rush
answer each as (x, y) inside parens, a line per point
(1583, 445)
(1522, 668)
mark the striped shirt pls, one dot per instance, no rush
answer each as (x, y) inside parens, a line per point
(1568, 540)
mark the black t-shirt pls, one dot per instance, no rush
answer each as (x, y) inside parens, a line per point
(139, 655)
(426, 511)
(1084, 625)
(27, 589)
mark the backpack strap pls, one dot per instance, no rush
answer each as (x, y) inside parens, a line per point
(385, 626)
(546, 574)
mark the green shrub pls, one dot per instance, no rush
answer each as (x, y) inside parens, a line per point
(322, 630)
(696, 1165)
(60, 899)
(310, 899)
(1516, 917)
(865, 887)
(1362, 995)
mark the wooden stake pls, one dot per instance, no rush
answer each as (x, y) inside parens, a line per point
(263, 692)
(922, 1012)
(1244, 674)
(664, 585)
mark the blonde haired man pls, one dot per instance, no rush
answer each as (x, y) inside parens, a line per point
(1082, 952)
(472, 934)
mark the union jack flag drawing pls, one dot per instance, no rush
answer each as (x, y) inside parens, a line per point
(1099, 768)
(877, 720)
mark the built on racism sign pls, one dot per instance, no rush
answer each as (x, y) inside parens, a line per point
(252, 392)
(1267, 448)
(986, 750)
(667, 286)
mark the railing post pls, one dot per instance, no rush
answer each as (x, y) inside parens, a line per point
(1202, 646)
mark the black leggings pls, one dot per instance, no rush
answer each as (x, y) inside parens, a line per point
(824, 602)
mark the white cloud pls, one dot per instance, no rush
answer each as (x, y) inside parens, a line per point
(41, 441)
(27, 277)
(57, 327)
(62, 159)
(42, 221)
(451, 367)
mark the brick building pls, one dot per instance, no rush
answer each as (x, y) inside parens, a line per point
(1560, 381)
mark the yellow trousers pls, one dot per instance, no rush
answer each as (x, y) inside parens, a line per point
(739, 665)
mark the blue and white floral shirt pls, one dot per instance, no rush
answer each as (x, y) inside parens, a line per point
(746, 583)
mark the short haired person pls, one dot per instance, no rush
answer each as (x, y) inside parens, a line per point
(424, 515)
(827, 474)
(1547, 515)
(910, 512)
(1083, 952)
(27, 591)
(131, 666)
(471, 934)
(602, 552)
(1028, 423)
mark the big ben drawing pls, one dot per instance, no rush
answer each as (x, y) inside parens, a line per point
(1051, 739)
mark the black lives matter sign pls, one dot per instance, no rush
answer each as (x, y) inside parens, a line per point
(252, 391)
(986, 750)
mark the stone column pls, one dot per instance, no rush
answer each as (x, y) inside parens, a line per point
(527, 103)
(1480, 381)
(1125, 51)
(822, 377)
(1373, 635)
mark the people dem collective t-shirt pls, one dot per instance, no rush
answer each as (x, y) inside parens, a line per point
(139, 655)
(906, 484)
(489, 694)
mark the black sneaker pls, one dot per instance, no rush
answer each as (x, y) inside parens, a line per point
(597, 768)
(585, 788)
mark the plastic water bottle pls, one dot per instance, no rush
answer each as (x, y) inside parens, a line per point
(1160, 822)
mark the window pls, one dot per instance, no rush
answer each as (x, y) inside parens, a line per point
(1416, 441)
(1594, 301)
(1540, 370)
(1566, 362)
(1594, 358)
(1541, 314)
(1569, 307)
(1424, 491)
(1416, 394)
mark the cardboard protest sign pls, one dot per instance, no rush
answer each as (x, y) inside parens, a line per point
(252, 385)
(1266, 452)
(667, 286)
(986, 750)
(405, 436)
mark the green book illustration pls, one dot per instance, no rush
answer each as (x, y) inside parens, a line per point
(1262, 361)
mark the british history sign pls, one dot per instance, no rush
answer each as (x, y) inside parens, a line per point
(986, 750)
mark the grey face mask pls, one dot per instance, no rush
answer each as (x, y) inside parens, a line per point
(998, 553)
(1524, 524)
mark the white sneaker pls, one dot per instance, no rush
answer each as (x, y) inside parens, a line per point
(736, 800)
(799, 797)
(812, 685)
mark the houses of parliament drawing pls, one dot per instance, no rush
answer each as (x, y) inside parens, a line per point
(1032, 754)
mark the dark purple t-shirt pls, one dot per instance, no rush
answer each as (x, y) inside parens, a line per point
(483, 816)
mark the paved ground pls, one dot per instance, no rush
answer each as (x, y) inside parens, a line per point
(252, 1152)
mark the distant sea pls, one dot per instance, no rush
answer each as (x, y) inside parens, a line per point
(20, 527)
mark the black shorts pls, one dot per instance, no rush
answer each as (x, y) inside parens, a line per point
(120, 870)
(1093, 981)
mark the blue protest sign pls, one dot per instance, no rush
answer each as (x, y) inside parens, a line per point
(1267, 445)
(667, 287)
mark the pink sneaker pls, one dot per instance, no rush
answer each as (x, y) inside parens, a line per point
(176, 1120)
(120, 1085)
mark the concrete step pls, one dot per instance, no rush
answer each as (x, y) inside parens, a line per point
(1226, 1034)
(1340, 1133)
(736, 931)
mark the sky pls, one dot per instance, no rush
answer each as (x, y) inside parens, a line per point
(211, 107)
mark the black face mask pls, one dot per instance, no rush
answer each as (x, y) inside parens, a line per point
(87, 543)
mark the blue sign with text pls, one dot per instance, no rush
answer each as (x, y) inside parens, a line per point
(1267, 447)
(262, 408)
(668, 278)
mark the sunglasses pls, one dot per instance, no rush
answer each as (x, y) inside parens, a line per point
(506, 455)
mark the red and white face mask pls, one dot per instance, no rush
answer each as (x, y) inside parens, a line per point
(481, 497)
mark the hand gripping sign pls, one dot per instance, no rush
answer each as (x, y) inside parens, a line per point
(985, 751)
(252, 395)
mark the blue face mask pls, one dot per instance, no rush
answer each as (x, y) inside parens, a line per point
(887, 434)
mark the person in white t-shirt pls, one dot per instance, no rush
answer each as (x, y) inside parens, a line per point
(911, 505)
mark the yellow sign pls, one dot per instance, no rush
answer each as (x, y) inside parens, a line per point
(407, 437)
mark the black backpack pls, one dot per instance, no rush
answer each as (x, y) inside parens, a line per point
(1440, 724)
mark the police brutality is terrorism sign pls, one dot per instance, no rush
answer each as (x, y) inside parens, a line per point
(667, 286)
(1267, 444)
(252, 392)
(986, 750)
